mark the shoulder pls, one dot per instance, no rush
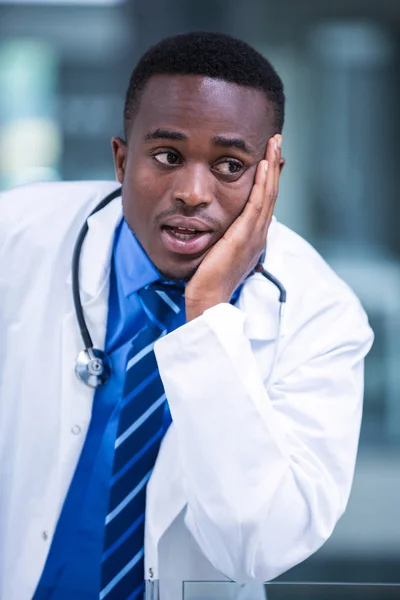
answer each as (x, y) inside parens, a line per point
(48, 211)
(313, 288)
(35, 201)
(299, 262)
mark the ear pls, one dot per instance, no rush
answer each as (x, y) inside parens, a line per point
(282, 163)
(119, 149)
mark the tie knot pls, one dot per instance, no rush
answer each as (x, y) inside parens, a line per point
(173, 287)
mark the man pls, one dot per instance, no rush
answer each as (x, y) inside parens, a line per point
(223, 444)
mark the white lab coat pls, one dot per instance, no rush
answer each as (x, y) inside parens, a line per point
(250, 480)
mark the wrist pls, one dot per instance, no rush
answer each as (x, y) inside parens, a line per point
(195, 309)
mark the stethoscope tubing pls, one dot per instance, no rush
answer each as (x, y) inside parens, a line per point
(86, 337)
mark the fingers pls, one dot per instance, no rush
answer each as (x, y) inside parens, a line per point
(256, 200)
(259, 209)
(273, 156)
(278, 139)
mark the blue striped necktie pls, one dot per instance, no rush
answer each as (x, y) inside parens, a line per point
(140, 431)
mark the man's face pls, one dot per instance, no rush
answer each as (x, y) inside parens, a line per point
(188, 166)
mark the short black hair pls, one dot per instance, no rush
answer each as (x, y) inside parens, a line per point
(208, 54)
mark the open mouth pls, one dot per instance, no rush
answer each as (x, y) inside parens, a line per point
(185, 240)
(183, 233)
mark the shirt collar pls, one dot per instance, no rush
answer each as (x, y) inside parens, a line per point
(133, 267)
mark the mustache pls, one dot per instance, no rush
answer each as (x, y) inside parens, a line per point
(188, 212)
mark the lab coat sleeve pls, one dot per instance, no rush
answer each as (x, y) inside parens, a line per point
(267, 474)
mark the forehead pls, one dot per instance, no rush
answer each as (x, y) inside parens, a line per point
(196, 103)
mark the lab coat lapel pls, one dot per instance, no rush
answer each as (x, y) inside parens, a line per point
(77, 398)
(259, 298)
(94, 269)
(259, 301)
(95, 266)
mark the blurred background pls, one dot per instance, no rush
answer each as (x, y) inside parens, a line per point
(64, 67)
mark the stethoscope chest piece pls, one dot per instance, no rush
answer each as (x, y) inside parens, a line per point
(93, 367)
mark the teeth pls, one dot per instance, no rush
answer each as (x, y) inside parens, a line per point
(184, 233)
(183, 236)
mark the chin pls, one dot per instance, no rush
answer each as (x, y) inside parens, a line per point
(175, 267)
(178, 274)
(179, 271)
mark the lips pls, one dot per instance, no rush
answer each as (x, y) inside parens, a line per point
(181, 222)
(183, 235)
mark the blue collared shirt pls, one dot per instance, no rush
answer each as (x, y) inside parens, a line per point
(131, 270)
(73, 565)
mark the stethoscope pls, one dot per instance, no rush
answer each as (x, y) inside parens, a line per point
(93, 366)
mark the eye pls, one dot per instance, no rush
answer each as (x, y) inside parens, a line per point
(167, 157)
(229, 167)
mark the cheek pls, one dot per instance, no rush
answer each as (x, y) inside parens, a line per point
(141, 192)
(234, 197)
(139, 178)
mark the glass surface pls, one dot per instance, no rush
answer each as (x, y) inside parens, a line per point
(196, 590)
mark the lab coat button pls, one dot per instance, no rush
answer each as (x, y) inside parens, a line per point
(45, 536)
(76, 430)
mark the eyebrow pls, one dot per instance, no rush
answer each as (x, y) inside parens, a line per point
(218, 140)
(164, 134)
(239, 143)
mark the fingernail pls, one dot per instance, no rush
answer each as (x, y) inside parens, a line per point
(279, 141)
(266, 167)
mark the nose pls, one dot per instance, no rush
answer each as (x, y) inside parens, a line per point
(193, 186)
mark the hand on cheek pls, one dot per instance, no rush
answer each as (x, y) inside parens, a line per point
(236, 254)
